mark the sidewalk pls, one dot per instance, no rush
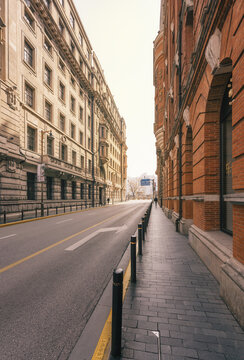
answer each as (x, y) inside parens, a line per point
(177, 296)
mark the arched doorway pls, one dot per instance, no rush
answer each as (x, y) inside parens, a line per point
(226, 217)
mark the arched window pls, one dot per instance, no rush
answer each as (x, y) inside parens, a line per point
(226, 221)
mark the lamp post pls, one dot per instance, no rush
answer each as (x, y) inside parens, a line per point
(42, 177)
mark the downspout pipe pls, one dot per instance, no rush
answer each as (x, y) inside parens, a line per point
(180, 124)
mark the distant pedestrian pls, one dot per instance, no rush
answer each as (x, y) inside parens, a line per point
(108, 200)
(155, 201)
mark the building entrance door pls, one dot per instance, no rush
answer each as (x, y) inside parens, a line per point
(226, 163)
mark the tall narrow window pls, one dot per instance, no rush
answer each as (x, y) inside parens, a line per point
(63, 152)
(47, 75)
(73, 185)
(82, 191)
(48, 111)
(31, 184)
(226, 162)
(62, 122)
(49, 188)
(63, 188)
(49, 145)
(73, 157)
(61, 91)
(31, 138)
(28, 54)
(72, 131)
(82, 161)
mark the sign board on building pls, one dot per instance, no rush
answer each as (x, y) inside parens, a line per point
(145, 182)
(41, 172)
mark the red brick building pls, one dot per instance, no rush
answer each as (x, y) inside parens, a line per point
(199, 129)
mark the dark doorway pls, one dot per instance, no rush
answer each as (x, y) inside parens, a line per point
(226, 216)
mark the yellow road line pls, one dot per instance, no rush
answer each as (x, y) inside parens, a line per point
(51, 246)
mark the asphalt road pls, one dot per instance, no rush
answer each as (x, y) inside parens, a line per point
(52, 274)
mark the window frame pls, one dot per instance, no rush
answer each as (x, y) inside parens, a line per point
(27, 44)
(31, 146)
(33, 96)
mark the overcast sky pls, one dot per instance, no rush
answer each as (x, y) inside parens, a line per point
(122, 34)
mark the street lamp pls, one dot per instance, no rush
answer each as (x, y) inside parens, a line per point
(41, 171)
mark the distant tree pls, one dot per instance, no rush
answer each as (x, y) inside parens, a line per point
(133, 187)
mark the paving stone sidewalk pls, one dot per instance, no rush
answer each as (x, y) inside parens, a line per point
(177, 296)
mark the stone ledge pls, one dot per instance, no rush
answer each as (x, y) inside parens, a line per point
(215, 250)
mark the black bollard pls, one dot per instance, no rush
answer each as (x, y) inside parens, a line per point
(140, 239)
(117, 312)
(64, 208)
(4, 217)
(56, 209)
(22, 214)
(143, 228)
(133, 258)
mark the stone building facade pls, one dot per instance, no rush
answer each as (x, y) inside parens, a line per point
(62, 139)
(199, 130)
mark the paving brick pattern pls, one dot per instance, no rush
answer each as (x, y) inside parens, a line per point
(176, 295)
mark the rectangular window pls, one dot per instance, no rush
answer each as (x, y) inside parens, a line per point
(73, 185)
(29, 19)
(49, 188)
(31, 138)
(63, 189)
(82, 191)
(89, 143)
(81, 137)
(28, 54)
(89, 166)
(48, 75)
(89, 121)
(89, 191)
(72, 20)
(62, 122)
(47, 45)
(82, 161)
(80, 39)
(81, 114)
(29, 95)
(49, 145)
(61, 65)
(73, 157)
(72, 103)
(72, 131)
(61, 91)
(72, 80)
(48, 111)
(31, 185)
(63, 152)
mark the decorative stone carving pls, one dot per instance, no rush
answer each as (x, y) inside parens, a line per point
(186, 116)
(11, 98)
(176, 140)
(212, 52)
(11, 166)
